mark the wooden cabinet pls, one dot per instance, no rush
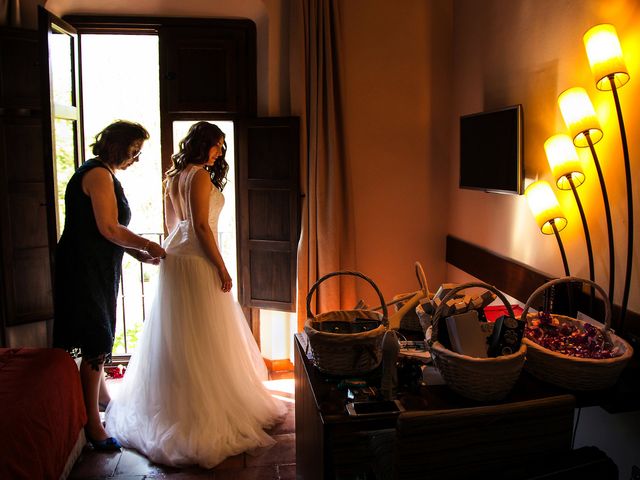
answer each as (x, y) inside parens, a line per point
(534, 421)
(25, 284)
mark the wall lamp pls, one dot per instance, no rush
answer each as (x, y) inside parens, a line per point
(566, 169)
(584, 127)
(546, 210)
(610, 73)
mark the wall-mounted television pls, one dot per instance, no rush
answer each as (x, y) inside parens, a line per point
(491, 150)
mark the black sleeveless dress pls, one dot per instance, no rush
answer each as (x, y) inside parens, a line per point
(88, 268)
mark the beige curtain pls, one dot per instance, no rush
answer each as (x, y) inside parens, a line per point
(326, 243)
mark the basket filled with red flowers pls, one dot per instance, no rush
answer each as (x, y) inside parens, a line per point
(572, 353)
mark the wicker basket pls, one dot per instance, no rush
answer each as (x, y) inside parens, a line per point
(410, 320)
(576, 373)
(481, 379)
(345, 353)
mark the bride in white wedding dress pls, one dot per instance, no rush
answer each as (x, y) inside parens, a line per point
(193, 391)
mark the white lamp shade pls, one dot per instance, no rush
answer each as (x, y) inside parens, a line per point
(564, 161)
(605, 56)
(545, 207)
(579, 116)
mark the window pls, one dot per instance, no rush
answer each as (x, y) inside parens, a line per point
(207, 71)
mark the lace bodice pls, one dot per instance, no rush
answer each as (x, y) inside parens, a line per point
(182, 240)
(216, 202)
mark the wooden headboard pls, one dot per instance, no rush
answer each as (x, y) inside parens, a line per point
(519, 280)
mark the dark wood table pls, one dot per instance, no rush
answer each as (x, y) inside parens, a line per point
(329, 441)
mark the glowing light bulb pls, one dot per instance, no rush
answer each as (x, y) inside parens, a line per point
(579, 116)
(545, 207)
(564, 161)
(605, 56)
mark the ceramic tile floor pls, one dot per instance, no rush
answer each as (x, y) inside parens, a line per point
(277, 463)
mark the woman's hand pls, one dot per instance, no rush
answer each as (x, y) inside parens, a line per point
(154, 250)
(147, 258)
(143, 256)
(225, 279)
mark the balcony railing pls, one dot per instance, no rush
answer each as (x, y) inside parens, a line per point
(134, 301)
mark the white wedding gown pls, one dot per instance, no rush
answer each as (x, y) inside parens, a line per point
(193, 391)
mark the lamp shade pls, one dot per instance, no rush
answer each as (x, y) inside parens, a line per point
(605, 56)
(545, 207)
(579, 116)
(564, 161)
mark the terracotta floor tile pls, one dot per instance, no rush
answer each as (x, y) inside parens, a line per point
(250, 473)
(232, 463)
(126, 477)
(184, 475)
(134, 463)
(287, 472)
(92, 464)
(282, 453)
(280, 375)
(288, 425)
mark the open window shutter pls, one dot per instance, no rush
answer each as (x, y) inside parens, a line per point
(61, 110)
(40, 100)
(25, 283)
(268, 211)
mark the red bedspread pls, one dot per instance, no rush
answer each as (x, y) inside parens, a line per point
(41, 412)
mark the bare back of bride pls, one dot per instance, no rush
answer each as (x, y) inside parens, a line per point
(193, 391)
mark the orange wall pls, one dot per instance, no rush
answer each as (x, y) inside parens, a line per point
(528, 52)
(395, 66)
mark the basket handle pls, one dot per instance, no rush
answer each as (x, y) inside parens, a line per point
(412, 299)
(422, 279)
(385, 311)
(424, 288)
(557, 281)
(436, 315)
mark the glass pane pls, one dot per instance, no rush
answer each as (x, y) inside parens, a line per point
(227, 222)
(64, 131)
(61, 55)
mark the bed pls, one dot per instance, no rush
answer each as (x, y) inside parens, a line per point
(42, 413)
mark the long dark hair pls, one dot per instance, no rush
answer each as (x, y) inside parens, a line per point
(112, 143)
(194, 149)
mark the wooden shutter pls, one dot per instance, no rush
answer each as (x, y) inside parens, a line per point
(25, 284)
(268, 211)
(209, 68)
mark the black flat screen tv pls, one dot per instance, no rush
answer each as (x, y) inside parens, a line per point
(491, 151)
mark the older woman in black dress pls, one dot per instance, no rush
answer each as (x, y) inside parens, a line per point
(88, 263)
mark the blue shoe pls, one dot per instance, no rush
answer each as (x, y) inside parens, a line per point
(107, 445)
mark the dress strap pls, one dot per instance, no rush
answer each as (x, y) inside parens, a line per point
(186, 199)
